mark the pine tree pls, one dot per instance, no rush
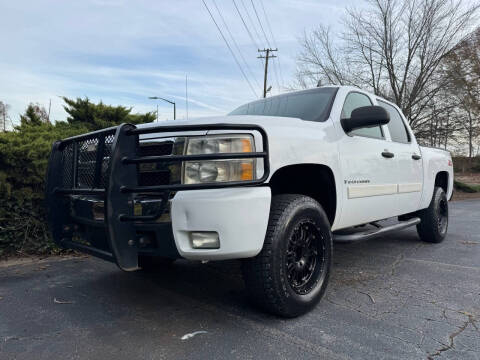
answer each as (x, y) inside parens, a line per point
(100, 116)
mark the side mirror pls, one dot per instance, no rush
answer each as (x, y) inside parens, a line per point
(366, 116)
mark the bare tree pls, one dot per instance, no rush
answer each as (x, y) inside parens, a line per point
(462, 74)
(441, 120)
(3, 115)
(393, 47)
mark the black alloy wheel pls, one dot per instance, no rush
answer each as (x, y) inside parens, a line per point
(290, 275)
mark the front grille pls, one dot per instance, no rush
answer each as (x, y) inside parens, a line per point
(160, 177)
(156, 148)
(151, 174)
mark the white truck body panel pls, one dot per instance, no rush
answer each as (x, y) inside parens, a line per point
(434, 162)
(368, 187)
(239, 216)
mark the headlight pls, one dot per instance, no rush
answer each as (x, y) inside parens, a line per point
(207, 171)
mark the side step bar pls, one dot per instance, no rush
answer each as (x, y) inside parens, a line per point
(364, 235)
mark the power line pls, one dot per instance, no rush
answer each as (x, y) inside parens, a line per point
(266, 39)
(260, 23)
(274, 41)
(252, 23)
(236, 44)
(229, 48)
(245, 25)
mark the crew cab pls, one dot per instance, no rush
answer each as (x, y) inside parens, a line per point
(274, 183)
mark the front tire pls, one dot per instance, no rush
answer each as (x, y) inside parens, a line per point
(289, 276)
(434, 219)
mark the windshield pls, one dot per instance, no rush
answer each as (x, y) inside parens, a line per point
(311, 105)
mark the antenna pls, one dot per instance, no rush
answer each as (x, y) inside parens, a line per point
(186, 94)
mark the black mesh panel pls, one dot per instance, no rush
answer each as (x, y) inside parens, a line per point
(87, 155)
(85, 161)
(67, 161)
(107, 152)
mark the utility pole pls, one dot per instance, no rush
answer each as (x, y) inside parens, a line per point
(266, 57)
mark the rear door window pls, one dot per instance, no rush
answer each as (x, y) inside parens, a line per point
(396, 126)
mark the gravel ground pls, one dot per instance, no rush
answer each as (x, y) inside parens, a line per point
(389, 298)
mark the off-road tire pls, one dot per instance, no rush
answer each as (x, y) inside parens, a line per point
(268, 276)
(434, 219)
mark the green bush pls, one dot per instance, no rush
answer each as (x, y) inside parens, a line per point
(23, 162)
(460, 186)
(24, 156)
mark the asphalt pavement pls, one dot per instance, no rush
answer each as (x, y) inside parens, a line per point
(392, 297)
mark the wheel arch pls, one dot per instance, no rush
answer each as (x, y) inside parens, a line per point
(441, 180)
(314, 180)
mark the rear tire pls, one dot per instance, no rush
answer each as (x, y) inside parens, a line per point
(434, 219)
(289, 276)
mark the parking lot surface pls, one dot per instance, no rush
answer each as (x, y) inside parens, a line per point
(390, 297)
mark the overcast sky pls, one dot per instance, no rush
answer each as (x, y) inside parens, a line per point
(122, 51)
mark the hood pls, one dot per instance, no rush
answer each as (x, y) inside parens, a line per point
(228, 119)
(264, 121)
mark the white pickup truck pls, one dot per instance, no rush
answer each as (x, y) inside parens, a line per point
(273, 183)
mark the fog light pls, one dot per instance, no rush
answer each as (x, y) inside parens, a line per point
(205, 240)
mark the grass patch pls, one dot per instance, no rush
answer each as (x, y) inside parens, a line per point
(468, 188)
(476, 187)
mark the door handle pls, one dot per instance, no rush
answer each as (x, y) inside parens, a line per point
(388, 154)
(416, 157)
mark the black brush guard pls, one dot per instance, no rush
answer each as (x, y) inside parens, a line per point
(112, 155)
